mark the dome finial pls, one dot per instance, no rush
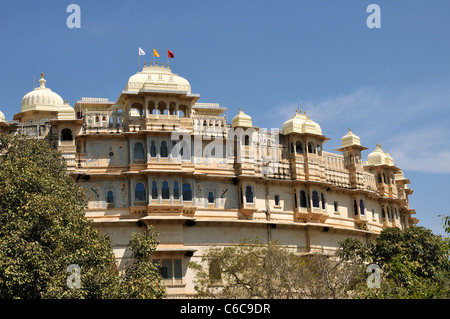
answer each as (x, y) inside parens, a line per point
(42, 81)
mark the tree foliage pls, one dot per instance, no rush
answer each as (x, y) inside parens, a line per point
(414, 263)
(251, 269)
(142, 279)
(43, 229)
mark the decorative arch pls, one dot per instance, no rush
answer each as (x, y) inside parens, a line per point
(249, 194)
(315, 199)
(140, 192)
(139, 151)
(303, 201)
(66, 135)
(298, 147)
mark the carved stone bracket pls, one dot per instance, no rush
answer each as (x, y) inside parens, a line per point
(310, 217)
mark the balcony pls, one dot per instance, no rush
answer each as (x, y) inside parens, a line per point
(306, 217)
(361, 222)
(247, 211)
(164, 209)
(104, 130)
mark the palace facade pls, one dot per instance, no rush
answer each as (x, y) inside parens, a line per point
(158, 156)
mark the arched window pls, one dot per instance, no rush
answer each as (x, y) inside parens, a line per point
(139, 192)
(165, 191)
(362, 210)
(295, 200)
(323, 200)
(311, 148)
(383, 213)
(277, 200)
(303, 202)
(247, 140)
(403, 222)
(154, 190)
(163, 149)
(139, 153)
(176, 191)
(211, 197)
(187, 192)
(315, 199)
(152, 149)
(380, 180)
(355, 207)
(248, 194)
(298, 147)
(110, 197)
(384, 178)
(66, 135)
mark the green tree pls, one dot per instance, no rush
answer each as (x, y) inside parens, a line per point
(414, 263)
(142, 279)
(251, 269)
(445, 223)
(43, 229)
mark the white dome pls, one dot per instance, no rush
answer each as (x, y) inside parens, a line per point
(389, 160)
(157, 78)
(242, 120)
(2, 117)
(301, 123)
(377, 157)
(350, 139)
(66, 112)
(41, 99)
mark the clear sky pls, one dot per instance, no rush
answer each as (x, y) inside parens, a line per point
(390, 85)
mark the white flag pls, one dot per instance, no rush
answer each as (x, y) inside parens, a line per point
(141, 52)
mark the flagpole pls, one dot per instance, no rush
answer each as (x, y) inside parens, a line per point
(139, 59)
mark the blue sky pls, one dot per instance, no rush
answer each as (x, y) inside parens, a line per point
(389, 85)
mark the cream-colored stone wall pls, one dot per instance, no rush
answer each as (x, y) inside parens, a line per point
(121, 149)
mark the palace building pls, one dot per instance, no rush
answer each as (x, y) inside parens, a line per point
(158, 156)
